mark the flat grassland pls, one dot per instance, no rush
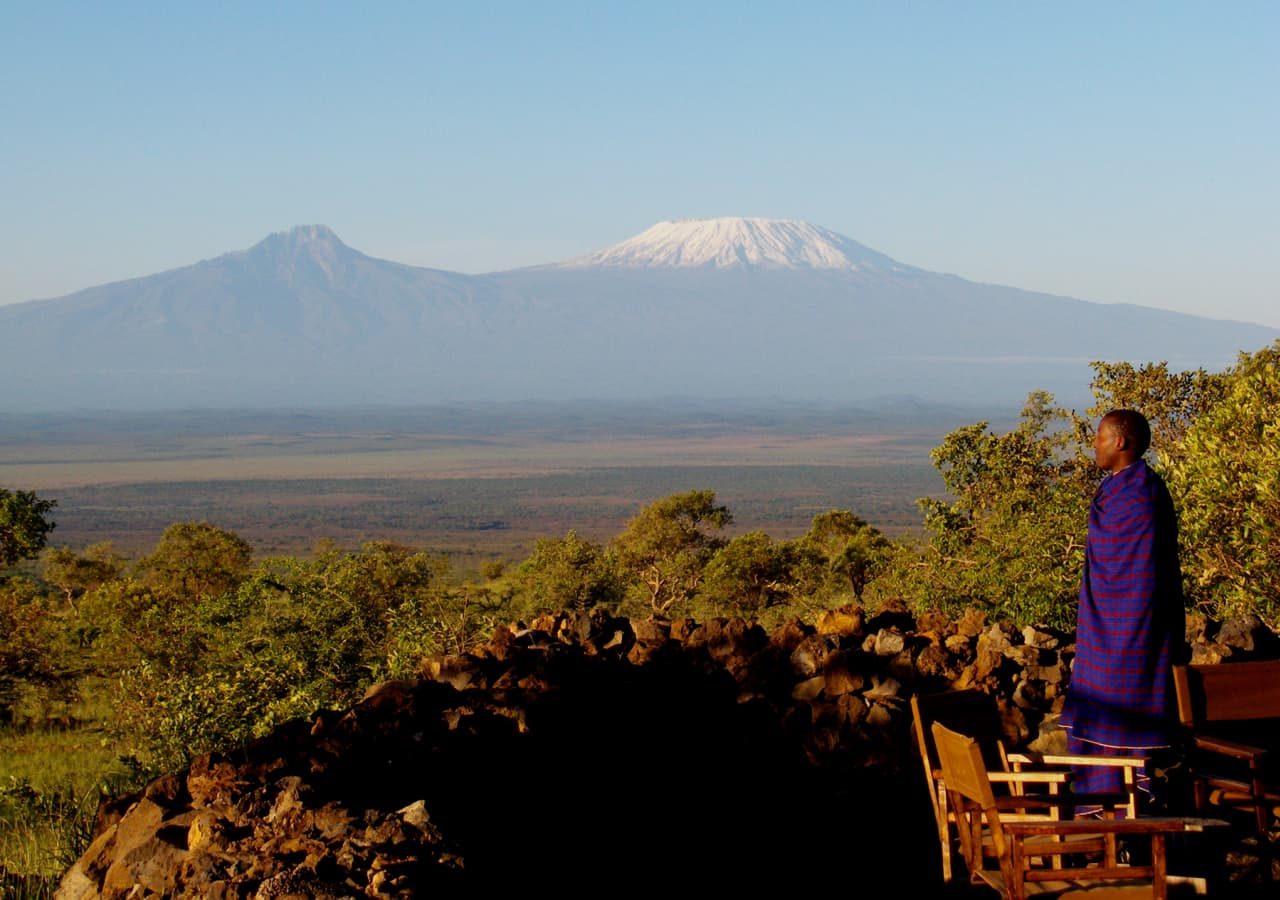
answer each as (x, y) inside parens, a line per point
(476, 482)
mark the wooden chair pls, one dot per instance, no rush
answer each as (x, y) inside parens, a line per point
(971, 798)
(975, 713)
(1232, 715)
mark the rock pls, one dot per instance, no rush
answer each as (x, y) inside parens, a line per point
(878, 716)
(972, 623)
(839, 679)
(934, 621)
(1051, 674)
(985, 664)
(1247, 633)
(153, 864)
(809, 689)
(810, 656)
(1027, 696)
(960, 645)
(892, 614)
(1051, 739)
(883, 688)
(853, 709)
(934, 662)
(846, 621)
(681, 629)
(1197, 627)
(1039, 636)
(651, 630)
(790, 634)
(995, 639)
(1023, 655)
(1209, 653)
(889, 643)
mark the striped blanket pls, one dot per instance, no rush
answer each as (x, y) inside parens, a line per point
(1130, 625)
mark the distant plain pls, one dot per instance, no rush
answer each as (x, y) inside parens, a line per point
(477, 482)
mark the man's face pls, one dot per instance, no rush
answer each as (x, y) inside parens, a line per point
(1106, 446)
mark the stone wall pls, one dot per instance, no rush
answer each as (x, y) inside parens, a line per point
(586, 753)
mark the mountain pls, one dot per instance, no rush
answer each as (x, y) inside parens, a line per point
(745, 308)
(731, 243)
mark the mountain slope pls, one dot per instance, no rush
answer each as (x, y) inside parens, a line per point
(712, 308)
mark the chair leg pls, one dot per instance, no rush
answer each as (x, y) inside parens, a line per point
(1160, 882)
(944, 831)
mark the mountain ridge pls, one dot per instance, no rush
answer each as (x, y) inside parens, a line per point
(712, 308)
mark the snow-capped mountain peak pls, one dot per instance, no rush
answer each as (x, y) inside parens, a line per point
(734, 242)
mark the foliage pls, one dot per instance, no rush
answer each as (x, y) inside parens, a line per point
(1012, 540)
(751, 573)
(24, 525)
(1225, 477)
(569, 573)
(77, 573)
(1171, 401)
(30, 658)
(196, 560)
(846, 550)
(294, 636)
(666, 546)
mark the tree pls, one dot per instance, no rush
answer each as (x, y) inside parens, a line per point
(1171, 401)
(24, 525)
(1012, 539)
(29, 657)
(75, 574)
(291, 637)
(751, 572)
(666, 546)
(569, 573)
(1225, 478)
(195, 560)
(847, 548)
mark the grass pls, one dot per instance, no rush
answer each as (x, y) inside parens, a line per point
(51, 779)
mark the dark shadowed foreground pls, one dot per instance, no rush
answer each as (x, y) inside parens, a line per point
(590, 755)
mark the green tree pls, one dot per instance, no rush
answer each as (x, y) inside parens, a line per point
(569, 573)
(1012, 539)
(752, 572)
(195, 560)
(846, 549)
(1225, 478)
(77, 573)
(1171, 401)
(292, 637)
(24, 525)
(666, 546)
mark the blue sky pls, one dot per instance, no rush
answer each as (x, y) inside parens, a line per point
(1119, 152)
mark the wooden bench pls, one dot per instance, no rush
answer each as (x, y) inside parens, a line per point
(1232, 715)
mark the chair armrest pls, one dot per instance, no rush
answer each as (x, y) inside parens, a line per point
(1234, 749)
(1029, 777)
(1141, 825)
(1126, 762)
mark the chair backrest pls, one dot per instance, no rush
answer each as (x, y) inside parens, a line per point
(963, 768)
(1227, 692)
(968, 712)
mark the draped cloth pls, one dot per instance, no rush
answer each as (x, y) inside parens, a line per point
(1130, 626)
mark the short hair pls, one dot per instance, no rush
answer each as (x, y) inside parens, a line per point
(1132, 425)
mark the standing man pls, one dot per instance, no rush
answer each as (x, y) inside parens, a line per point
(1130, 626)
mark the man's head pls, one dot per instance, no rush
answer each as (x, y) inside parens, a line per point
(1123, 436)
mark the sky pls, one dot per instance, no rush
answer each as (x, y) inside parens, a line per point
(1116, 152)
